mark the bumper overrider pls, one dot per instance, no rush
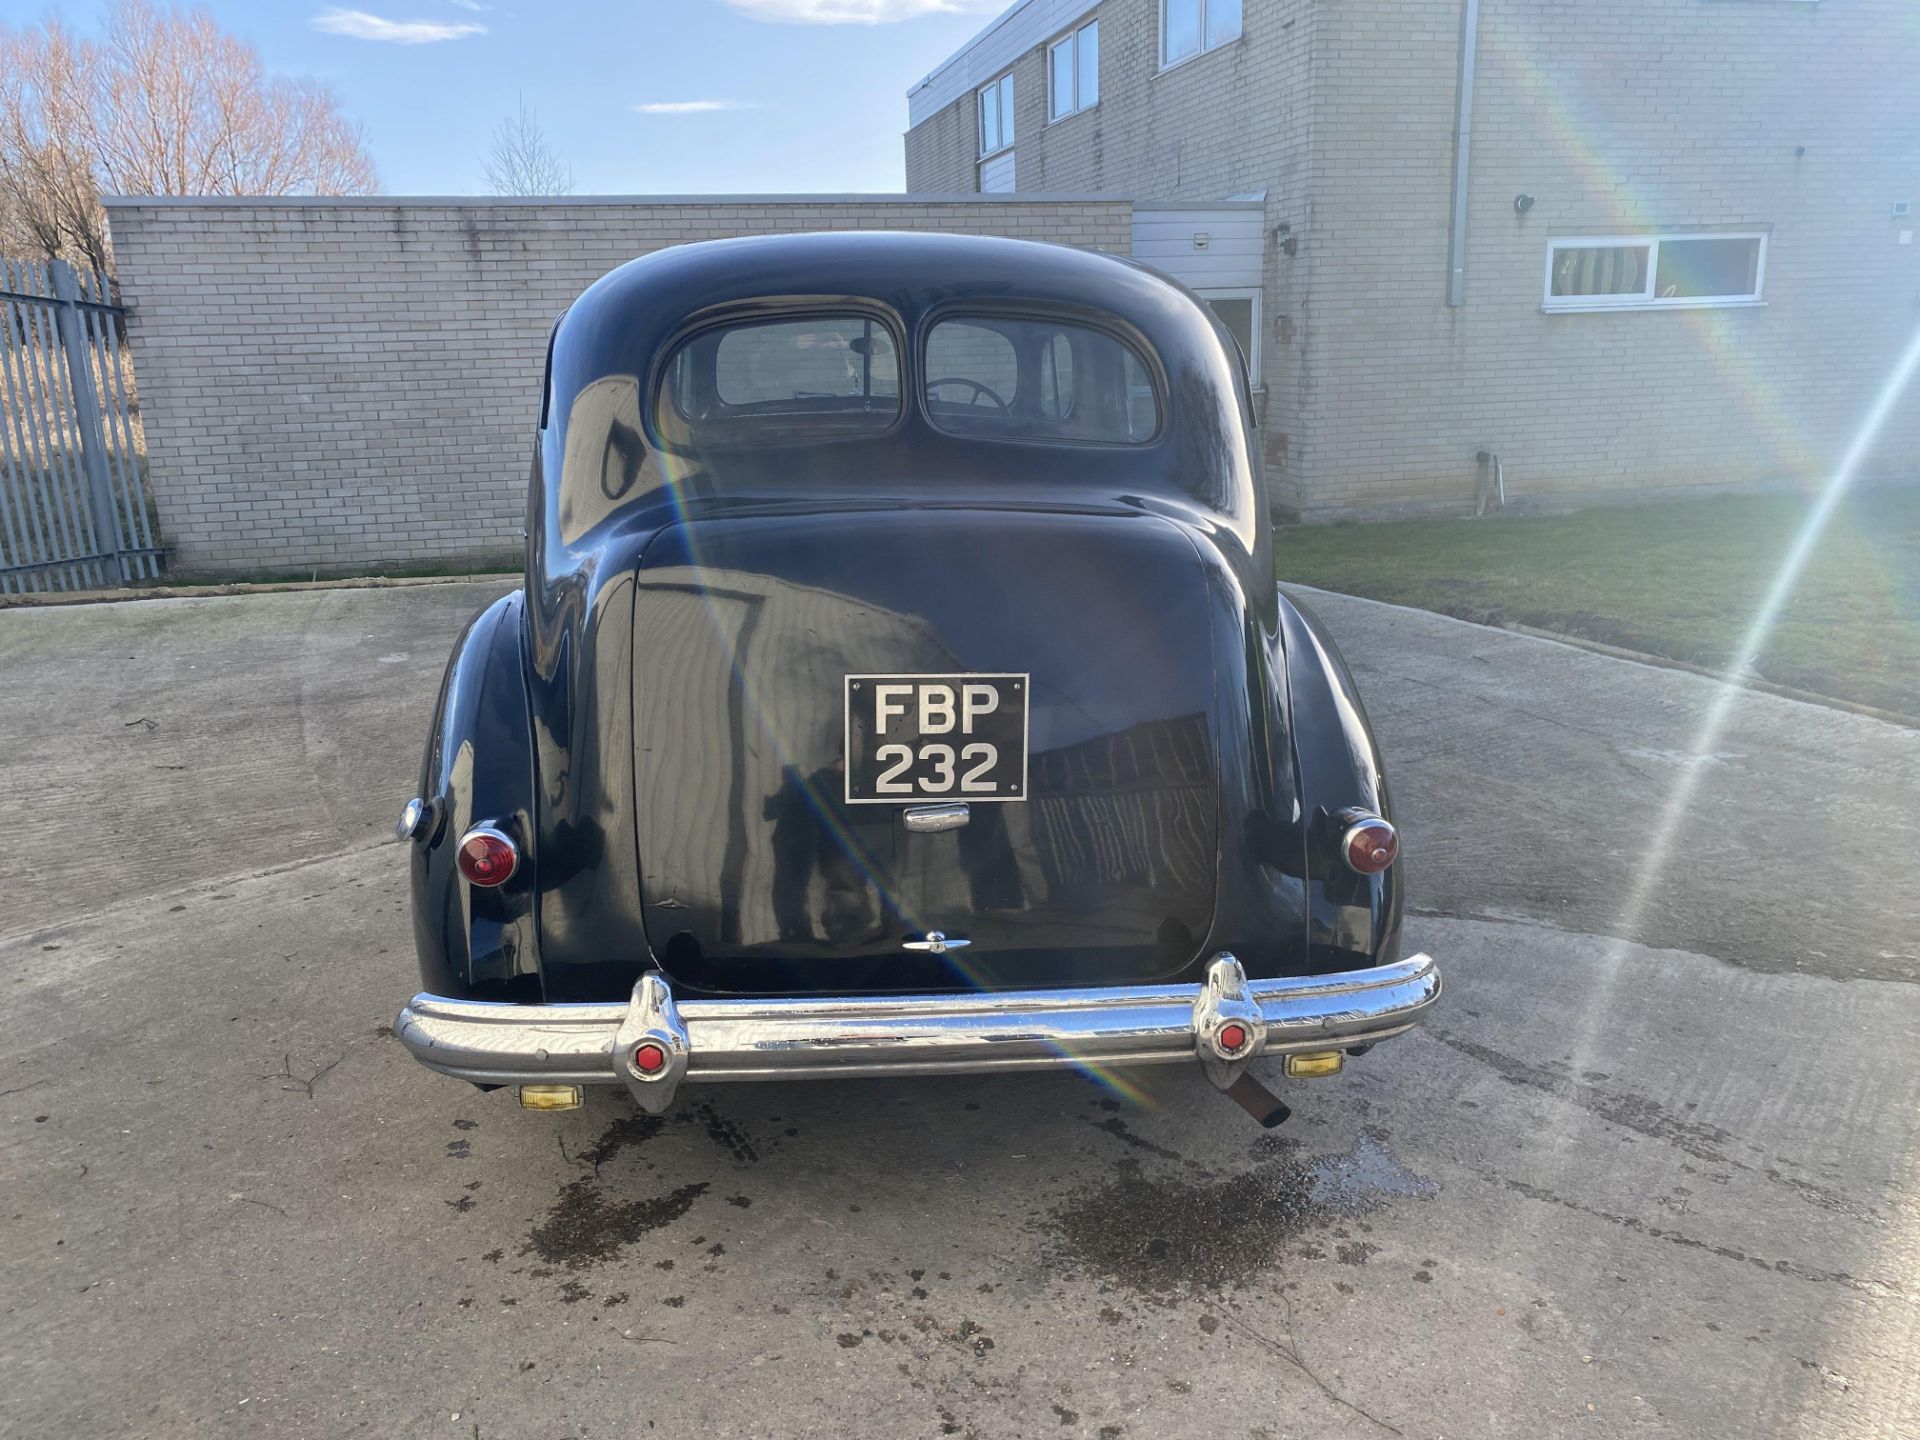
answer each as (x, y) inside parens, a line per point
(652, 1043)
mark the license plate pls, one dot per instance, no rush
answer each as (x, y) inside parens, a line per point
(936, 737)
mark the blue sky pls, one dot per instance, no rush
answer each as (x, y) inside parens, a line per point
(801, 95)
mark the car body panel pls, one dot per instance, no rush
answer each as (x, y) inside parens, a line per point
(756, 872)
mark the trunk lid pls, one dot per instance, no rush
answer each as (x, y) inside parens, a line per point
(757, 877)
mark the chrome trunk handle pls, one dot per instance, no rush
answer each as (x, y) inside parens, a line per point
(935, 943)
(932, 819)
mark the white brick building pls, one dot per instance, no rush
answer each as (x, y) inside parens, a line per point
(1681, 253)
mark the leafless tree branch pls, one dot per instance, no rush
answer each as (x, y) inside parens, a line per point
(166, 103)
(521, 162)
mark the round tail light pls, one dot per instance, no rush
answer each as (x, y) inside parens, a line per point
(487, 857)
(1369, 845)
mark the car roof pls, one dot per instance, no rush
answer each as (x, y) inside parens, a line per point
(629, 313)
(879, 264)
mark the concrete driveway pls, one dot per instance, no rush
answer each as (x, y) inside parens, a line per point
(1651, 1171)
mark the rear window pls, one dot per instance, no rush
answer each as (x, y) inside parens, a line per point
(761, 382)
(1024, 378)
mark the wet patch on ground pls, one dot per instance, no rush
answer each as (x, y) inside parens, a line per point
(587, 1224)
(727, 1135)
(627, 1132)
(1113, 1125)
(1367, 1174)
(1155, 1235)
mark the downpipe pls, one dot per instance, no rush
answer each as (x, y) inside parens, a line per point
(1490, 487)
(1462, 153)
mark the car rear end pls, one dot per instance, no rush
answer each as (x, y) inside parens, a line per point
(907, 693)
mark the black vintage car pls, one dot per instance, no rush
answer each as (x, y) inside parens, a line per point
(899, 686)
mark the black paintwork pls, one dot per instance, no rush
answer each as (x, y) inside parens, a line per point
(657, 717)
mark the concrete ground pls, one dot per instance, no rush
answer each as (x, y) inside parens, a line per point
(1652, 1169)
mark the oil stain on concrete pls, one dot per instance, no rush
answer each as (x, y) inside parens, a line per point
(586, 1225)
(1155, 1235)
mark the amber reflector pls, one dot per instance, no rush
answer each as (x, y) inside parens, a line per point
(550, 1097)
(487, 858)
(1371, 846)
(1315, 1062)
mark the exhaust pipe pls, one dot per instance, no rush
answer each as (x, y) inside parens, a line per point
(1258, 1101)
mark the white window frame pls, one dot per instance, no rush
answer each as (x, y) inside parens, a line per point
(1205, 48)
(1646, 299)
(1004, 109)
(1253, 324)
(1071, 42)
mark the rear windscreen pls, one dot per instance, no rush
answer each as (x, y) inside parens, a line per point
(780, 381)
(1029, 378)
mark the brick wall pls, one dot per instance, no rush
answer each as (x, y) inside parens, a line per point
(337, 386)
(1622, 117)
(946, 149)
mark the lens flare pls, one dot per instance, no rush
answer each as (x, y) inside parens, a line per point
(1720, 711)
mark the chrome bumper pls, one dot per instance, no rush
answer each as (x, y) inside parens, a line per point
(754, 1039)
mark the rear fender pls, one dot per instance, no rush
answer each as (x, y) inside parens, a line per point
(1353, 920)
(478, 769)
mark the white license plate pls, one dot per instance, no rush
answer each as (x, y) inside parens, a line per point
(936, 737)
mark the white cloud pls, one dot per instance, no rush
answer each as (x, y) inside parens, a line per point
(473, 5)
(359, 25)
(692, 107)
(855, 12)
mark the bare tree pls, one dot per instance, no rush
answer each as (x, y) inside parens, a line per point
(521, 162)
(165, 104)
(49, 201)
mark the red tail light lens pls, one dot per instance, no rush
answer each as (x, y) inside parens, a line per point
(1369, 845)
(487, 858)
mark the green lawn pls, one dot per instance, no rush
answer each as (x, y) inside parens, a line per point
(1680, 580)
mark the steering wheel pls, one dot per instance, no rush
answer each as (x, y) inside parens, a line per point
(978, 391)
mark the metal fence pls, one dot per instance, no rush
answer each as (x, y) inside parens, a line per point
(73, 509)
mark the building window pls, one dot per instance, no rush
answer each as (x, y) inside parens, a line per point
(1073, 72)
(996, 115)
(1653, 272)
(1188, 27)
(1239, 311)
